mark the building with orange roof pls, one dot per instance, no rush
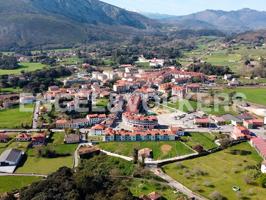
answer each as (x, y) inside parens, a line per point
(253, 123)
(98, 129)
(240, 132)
(23, 137)
(178, 91)
(139, 121)
(38, 139)
(96, 118)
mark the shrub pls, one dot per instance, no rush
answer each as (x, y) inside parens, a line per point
(217, 196)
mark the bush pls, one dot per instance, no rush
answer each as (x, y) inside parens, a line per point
(217, 196)
(199, 149)
(263, 181)
(208, 184)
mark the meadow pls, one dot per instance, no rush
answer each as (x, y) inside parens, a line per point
(161, 150)
(220, 171)
(24, 66)
(206, 140)
(15, 118)
(253, 95)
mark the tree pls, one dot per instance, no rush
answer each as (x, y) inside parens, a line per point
(199, 148)
(135, 155)
(225, 142)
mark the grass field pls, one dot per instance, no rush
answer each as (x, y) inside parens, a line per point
(57, 144)
(103, 102)
(140, 187)
(204, 139)
(220, 172)
(72, 60)
(9, 183)
(184, 105)
(44, 165)
(161, 150)
(41, 165)
(191, 106)
(24, 66)
(253, 95)
(13, 90)
(223, 58)
(14, 118)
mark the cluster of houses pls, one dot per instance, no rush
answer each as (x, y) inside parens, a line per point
(90, 120)
(165, 79)
(245, 120)
(35, 139)
(10, 158)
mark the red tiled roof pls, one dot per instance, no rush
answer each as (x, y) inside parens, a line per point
(110, 131)
(202, 120)
(260, 144)
(23, 136)
(132, 116)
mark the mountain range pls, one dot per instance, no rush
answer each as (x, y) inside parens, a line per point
(64, 23)
(228, 21)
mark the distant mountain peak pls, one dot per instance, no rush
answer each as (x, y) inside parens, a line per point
(51, 22)
(228, 21)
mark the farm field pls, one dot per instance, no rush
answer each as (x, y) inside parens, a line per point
(9, 183)
(37, 165)
(206, 140)
(25, 66)
(219, 172)
(161, 150)
(254, 95)
(14, 118)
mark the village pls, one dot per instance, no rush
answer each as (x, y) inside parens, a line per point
(164, 114)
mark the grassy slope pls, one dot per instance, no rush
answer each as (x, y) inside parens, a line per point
(204, 139)
(176, 148)
(13, 117)
(223, 169)
(9, 183)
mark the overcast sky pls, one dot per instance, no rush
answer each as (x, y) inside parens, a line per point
(181, 7)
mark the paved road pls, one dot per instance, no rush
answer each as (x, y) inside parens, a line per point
(36, 115)
(36, 175)
(175, 159)
(178, 186)
(29, 130)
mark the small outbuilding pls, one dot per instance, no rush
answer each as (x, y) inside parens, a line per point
(10, 159)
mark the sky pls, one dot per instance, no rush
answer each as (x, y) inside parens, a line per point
(182, 7)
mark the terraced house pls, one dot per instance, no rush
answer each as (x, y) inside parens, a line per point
(133, 136)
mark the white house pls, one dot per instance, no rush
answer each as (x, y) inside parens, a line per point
(263, 167)
(27, 99)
